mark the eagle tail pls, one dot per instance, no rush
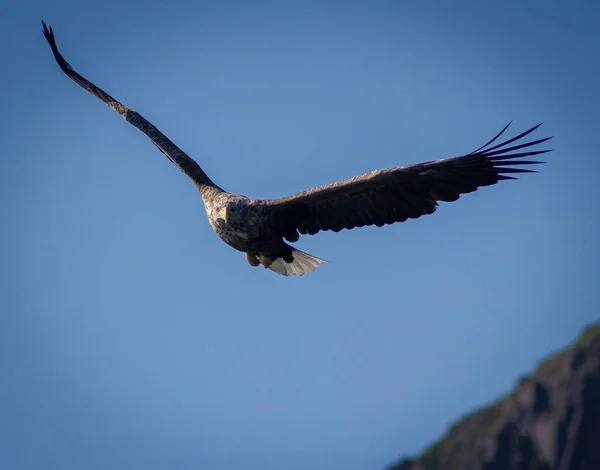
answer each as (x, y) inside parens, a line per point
(302, 263)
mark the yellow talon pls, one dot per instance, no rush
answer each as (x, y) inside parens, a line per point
(252, 259)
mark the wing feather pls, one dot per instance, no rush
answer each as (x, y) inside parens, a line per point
(396, 194)
(164, 144)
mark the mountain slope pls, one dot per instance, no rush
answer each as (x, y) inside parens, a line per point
(551, 420)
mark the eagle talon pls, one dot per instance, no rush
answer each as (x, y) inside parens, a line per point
(266, 261)
(255, 259)
(252, 259)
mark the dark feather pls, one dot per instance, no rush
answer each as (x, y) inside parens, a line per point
(164, 144)
(396, 194)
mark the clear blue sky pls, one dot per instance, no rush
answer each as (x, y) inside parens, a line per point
(132, 338)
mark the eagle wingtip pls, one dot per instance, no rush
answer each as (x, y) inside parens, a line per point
(48, 33)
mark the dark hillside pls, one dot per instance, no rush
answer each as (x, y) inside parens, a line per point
(551, 420)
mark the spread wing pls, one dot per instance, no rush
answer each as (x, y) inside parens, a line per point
(397, 194)
(165, 145)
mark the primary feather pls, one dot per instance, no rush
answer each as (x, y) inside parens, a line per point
(407, 192)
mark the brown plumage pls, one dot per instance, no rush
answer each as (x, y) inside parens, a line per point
(396, 194)
(258, 227)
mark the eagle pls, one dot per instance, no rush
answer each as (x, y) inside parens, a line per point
(263, 228)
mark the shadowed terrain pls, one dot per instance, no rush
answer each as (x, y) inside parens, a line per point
(551, 420)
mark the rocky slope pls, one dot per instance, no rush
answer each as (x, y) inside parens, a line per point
(551, 421)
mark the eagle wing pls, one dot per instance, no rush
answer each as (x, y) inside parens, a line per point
(396, 194)
(164, 144)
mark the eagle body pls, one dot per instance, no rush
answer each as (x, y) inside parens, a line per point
(262, 228)
(245, 224)
(238, 221)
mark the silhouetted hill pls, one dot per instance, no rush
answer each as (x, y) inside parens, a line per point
(550, 421)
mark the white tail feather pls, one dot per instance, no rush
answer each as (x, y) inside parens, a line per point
(302, 263)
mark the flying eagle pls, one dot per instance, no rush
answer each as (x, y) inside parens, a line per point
(260, 227)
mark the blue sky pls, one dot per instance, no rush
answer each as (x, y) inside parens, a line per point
(132, 338)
